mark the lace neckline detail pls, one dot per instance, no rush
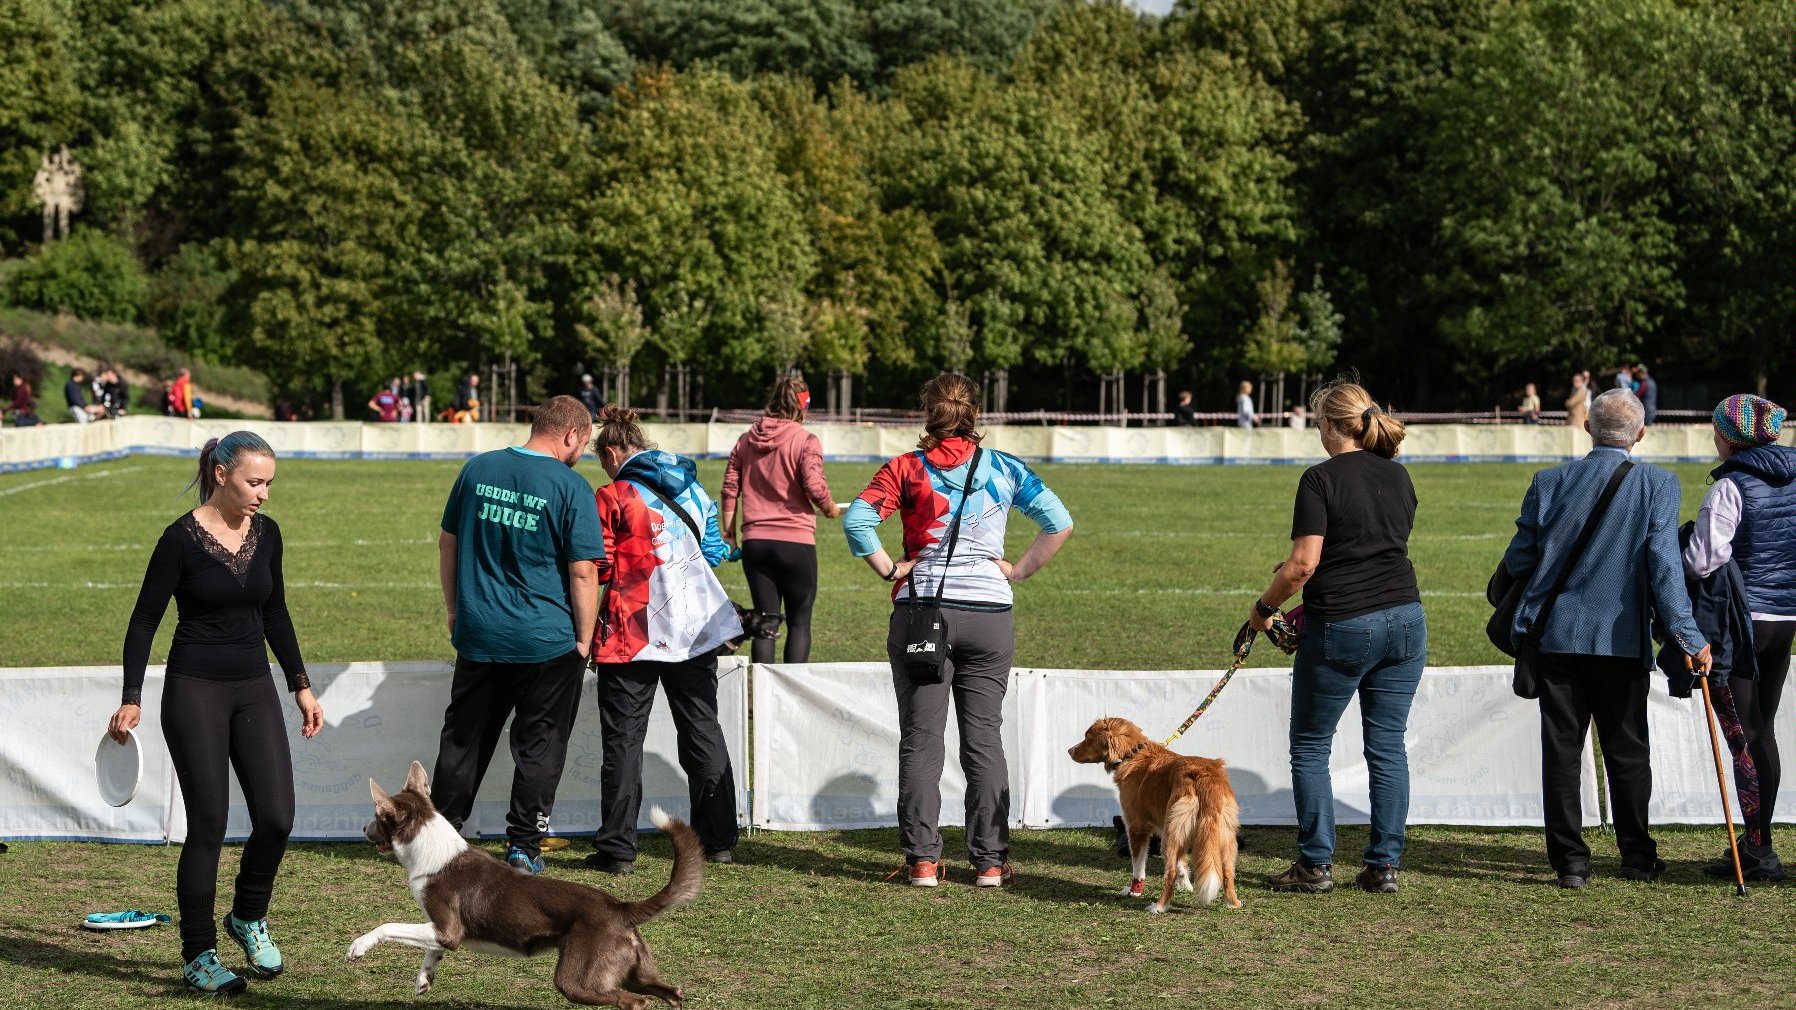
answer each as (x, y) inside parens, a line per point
(237, 564)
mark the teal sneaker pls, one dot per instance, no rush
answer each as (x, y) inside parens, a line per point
(258, 947)
(518, 859)
(205, 975)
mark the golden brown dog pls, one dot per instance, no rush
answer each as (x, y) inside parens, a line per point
(1188, 800)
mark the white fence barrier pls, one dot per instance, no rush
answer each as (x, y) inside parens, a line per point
(73, 444)
(826, 746)
(825, 750)
(379, 718)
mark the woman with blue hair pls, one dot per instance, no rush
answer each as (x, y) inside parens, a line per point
(221, 563)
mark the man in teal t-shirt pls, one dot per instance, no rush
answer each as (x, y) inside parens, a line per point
(516, 556)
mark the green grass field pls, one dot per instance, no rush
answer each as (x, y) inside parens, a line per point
(1159, 575)
(1161, 571)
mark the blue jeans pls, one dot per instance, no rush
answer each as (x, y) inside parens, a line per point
(1380, 657)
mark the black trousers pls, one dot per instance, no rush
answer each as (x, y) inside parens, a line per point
(1574, 690)
(626, 696)
(541, 699)
(213, 726)
(782, 577)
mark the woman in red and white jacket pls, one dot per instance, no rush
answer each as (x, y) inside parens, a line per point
(776, 474)
(663, 617)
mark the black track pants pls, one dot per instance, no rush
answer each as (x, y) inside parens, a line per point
(782, 578)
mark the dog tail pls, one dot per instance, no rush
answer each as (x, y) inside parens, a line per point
(1214, 846)
(688, 870)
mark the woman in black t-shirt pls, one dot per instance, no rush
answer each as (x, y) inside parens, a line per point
(221, 563)
(1364, 632)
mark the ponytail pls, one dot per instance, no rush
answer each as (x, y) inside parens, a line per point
(1351, 411)
(225, 452)
(789, 399)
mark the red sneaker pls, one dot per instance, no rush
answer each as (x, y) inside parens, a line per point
(924, 873)
(994, 876)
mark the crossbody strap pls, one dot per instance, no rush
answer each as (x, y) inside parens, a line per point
(674, 502)
(1578, 545)
(966, 491)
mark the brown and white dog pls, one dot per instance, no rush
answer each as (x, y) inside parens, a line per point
(476, 902)
(1188, 800)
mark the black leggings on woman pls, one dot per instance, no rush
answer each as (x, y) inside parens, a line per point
(211, 727)
(1747, 711)
(779, 570)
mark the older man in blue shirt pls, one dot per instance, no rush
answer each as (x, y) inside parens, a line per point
(1596, 647)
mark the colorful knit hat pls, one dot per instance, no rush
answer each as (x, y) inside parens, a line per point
(1747, 420)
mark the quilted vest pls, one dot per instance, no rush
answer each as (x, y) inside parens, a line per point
(1765, 542)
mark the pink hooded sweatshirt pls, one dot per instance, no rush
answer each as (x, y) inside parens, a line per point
(776, 472)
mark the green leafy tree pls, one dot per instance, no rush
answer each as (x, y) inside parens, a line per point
(985, 33)
(818, 39)
(1549, 165)
(185, 303)
(689, 200)
(615, 333)
(38, 107)
(1370, 91)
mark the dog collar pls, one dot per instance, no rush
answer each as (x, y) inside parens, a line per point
(1111, 766)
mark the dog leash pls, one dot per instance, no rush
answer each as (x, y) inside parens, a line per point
(1282, 634)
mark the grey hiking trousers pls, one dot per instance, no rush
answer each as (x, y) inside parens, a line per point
(982, 645)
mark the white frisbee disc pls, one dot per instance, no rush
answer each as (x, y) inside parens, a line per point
(118, 768)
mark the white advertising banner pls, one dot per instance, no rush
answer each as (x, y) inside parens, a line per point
(379, 717)
(826, 749)
(1684, 786)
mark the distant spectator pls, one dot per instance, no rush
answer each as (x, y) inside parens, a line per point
(283, 410)
(420, 393)
(1648, 392)
(25, 416)
(467, 400)
(385, 404)
(21, 394)
(1300, 417)
(1624, 378)
(1530, 407)
(1244, 415)
(1183, 413)
(592, 396)
(406, 411)
(1577, 405)
(181, 395)
(75, 392)
(1589, 391)
(111, 393)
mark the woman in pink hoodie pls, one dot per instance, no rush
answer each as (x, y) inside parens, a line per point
(776, 473)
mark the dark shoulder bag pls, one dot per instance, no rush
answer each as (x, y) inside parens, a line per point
(1505, 592)
(925, 630)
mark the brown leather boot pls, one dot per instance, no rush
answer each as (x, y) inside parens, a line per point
(1302, 877)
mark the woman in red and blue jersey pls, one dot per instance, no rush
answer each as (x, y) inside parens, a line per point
(925, 488)
(662, 619)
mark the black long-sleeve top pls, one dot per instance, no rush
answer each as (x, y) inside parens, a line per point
(227, 605)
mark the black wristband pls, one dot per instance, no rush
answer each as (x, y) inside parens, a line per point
(1264, 609)
(891, 576)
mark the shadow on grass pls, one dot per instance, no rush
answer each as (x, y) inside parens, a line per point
(24, 948)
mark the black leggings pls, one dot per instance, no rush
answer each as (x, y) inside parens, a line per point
(212, 726)
(1756, 701)
(780, 571)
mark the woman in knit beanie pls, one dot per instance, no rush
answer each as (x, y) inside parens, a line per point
(1749, 517)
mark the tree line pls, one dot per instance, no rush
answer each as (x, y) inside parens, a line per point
(1063, 197)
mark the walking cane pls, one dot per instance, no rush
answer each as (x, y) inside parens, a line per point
(1727, 809)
